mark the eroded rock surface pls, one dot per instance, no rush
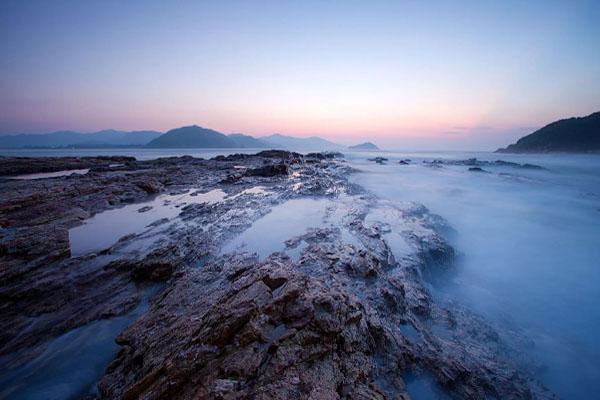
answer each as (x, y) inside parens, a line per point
(341, 311)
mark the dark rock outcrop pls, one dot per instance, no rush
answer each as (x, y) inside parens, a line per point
(474, 162)
(10, 166)
(268, 170)
(379, 160)
(348, 316)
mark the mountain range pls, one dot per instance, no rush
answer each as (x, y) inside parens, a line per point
(109, 137)
(573, 135)
(185, 137)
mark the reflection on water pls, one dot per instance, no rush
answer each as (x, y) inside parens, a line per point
(44, 175)
(295, 252)
(291, 219)
(529, 245)
(106, 228)
(268, 234)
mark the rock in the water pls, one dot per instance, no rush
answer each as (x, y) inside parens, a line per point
(339, 311)
(477, 169)
(379, 160)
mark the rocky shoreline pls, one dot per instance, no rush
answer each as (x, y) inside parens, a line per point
(340, 310)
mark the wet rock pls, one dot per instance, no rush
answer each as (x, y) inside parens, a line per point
(249, 342)
(231, 178)
(10, 166)
(474, 162)
(265, 154)
(268, 170)
(477, 169)
(328, 155)
(149, 186)
(324, 325)
(379, 160)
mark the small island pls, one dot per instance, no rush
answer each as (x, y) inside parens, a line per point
(364, 146)
(572, 135)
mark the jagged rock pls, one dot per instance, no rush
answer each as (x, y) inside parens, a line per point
(149, 186)
(10, 166)
(331, 323)
(268, 170)
(379, 160)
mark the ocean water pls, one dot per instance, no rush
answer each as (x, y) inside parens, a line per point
(528, 243)
(529, 250)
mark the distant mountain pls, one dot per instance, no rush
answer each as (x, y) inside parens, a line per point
(193, 137)
(107, 138)
(185, 137)
(248, 142)
(575, 135)
(364, 146)
(294, 143)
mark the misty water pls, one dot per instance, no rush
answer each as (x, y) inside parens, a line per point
(72, 363)
(528, 244)
(529, 251)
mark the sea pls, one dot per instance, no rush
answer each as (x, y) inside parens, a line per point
(527, 240)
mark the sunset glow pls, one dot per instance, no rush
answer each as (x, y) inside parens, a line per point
(393, 72)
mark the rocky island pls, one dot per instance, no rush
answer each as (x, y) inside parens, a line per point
(364, 146)
(264, 276)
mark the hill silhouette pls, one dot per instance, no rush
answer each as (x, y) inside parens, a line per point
(193, 137)
(576, 135)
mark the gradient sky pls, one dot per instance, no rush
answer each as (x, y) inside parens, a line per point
(405, 74)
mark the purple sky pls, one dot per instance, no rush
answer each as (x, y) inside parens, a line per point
(460, 75)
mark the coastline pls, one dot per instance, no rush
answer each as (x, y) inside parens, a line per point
(348, 315)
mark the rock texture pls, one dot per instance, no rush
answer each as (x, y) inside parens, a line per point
(10, 166)
(343, 311)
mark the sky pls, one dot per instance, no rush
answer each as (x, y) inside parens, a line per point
(403, 74)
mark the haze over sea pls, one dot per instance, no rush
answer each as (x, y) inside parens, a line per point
(528, 244)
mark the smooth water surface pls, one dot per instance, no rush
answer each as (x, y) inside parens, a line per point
(268, 234)
(529, 245)
(106, 228)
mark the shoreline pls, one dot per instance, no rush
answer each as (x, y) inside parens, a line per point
(349, 315)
